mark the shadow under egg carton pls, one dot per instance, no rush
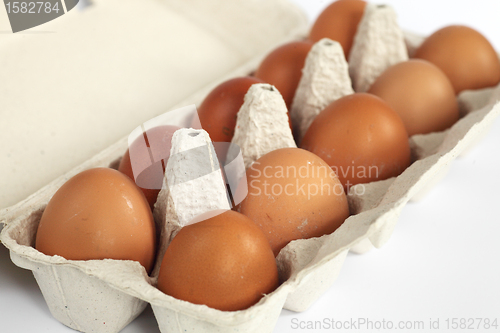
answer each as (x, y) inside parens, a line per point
(112, 293)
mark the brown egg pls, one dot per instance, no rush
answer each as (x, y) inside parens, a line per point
(224, 262)
(361, 138)
(283, 68)
(420, 93)
(339, 21)
(464, 55)
(293, 194)
(217, 113)
(98, 214)
(158, 141)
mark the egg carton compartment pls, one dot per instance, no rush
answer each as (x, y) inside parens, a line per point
(75, 292)
(307, 267)
(95, 305)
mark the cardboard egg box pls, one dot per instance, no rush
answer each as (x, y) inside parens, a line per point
(112, 293)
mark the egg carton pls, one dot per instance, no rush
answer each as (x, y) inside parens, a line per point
(111, 293)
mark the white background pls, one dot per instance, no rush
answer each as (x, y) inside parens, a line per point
(442, 261)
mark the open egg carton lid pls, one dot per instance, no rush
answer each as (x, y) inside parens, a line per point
(309, 266)
(81, 82)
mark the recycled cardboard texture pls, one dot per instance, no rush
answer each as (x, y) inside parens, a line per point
(325, 78)
(188, 190)
(309, 266)
(470, 100)
(378, 44)
(262, 123)
(73, 91)
(495, 95)
(107, 309)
